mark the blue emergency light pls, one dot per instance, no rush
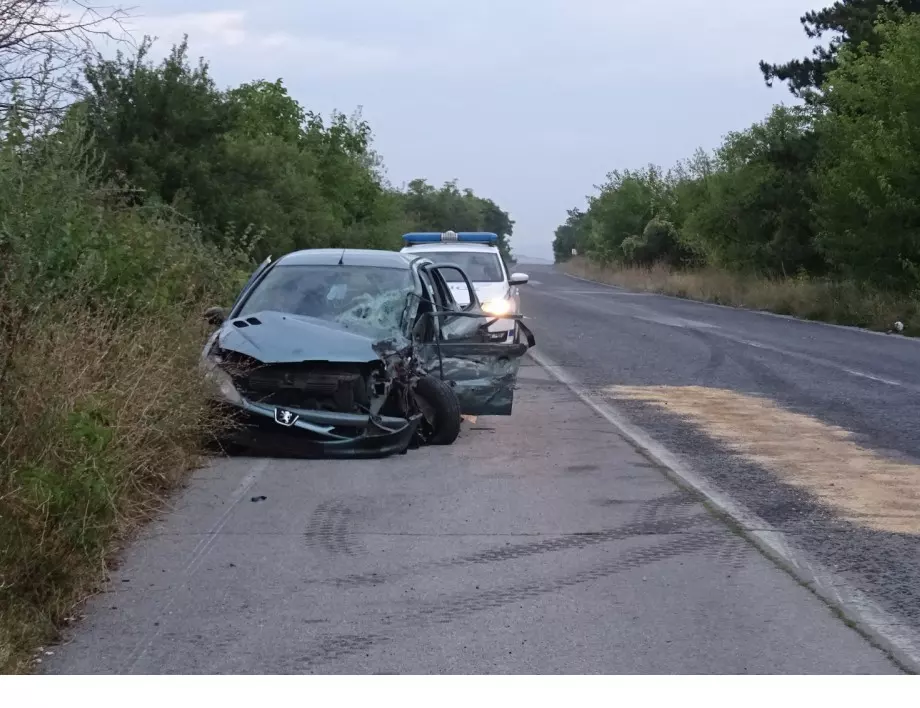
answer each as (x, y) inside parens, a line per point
(450, 237)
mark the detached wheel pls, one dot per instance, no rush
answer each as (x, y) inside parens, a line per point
(440, 410)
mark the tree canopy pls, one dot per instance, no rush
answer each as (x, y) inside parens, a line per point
(849, 23)
(251, 163)
(828, 189)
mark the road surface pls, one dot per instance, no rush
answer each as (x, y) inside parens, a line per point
(545, 542)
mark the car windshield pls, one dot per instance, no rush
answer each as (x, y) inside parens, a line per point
(362, 297)
(480, 267)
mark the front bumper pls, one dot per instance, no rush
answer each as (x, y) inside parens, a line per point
(502, 330)
(317, 433)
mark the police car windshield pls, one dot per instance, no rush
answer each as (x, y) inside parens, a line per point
(480, 267)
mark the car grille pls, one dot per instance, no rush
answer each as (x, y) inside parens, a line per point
(313, 387)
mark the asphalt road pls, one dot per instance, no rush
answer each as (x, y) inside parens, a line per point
(814, 428)
(540, 543)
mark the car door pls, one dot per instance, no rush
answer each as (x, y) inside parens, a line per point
(483, 374)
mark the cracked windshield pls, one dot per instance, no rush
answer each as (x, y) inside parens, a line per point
(415, 338)
(368, 298)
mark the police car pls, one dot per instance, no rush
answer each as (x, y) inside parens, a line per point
(478, 256)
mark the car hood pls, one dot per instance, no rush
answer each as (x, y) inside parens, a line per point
(484, 291)
(278, 337)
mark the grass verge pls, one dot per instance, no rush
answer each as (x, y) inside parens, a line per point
(836, 302)
(100, 417)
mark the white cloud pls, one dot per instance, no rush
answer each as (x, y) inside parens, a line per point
(229, 33)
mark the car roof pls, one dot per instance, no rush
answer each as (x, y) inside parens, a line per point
(451, 246)
(348, 256)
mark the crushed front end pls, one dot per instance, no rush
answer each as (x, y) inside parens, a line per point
(316, 408)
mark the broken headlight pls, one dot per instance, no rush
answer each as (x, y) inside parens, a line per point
(220, 380)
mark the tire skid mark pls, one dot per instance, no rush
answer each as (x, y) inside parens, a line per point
(717, 356)
(645, 524)
(335, 647)
(677, 501)
(464, 605)
(732, 551)
(329, 531)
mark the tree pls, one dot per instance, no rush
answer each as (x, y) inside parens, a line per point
(251, 161)
(265, 109)
(570, 235)
(450, 209)
(659, 242)
(752, 212)
(852, 22)
(868, 173)
(43, 46)
(625, 205)
(160, 127)
(498, 221)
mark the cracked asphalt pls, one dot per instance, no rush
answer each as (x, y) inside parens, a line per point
(540, 543)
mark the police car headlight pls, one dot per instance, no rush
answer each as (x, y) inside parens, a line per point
(498, 307)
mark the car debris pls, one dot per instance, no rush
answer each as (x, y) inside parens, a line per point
(356, 353)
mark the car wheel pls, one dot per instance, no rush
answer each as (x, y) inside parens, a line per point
(440, 410)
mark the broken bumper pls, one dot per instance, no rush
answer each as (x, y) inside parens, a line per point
(312, 433)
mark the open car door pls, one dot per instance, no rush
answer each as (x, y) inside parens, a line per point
(457, 349)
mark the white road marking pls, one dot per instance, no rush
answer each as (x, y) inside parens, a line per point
(617, 293)
(867, 616)
(823, 362)
(682, 323)
(764, 313)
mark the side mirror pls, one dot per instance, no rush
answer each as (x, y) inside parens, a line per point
(215, 316)
(518, 279)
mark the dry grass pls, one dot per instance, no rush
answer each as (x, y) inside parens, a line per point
(99, 418)
(827, 301)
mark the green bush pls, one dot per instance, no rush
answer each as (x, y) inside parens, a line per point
(868, 177)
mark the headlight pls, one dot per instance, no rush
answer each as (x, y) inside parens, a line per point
(221, 381)
(498, 307)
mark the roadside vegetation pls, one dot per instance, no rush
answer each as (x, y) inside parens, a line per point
(813, 212)
(134, 194)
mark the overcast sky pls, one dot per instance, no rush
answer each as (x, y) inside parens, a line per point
(529, 102)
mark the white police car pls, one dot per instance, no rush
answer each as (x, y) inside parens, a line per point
(478, 256)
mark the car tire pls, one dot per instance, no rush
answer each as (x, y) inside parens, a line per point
(445, 406)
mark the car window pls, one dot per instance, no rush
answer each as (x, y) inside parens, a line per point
(479, 266)
(445, 297)
(353, 296)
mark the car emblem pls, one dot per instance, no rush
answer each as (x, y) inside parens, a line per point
(285, 418)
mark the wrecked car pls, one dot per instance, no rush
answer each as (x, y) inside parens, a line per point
(356, 353)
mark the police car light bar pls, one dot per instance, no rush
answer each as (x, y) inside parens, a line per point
(450, 237)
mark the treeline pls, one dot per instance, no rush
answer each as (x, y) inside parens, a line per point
(133, 195)
(251, 166)
(826, 189)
